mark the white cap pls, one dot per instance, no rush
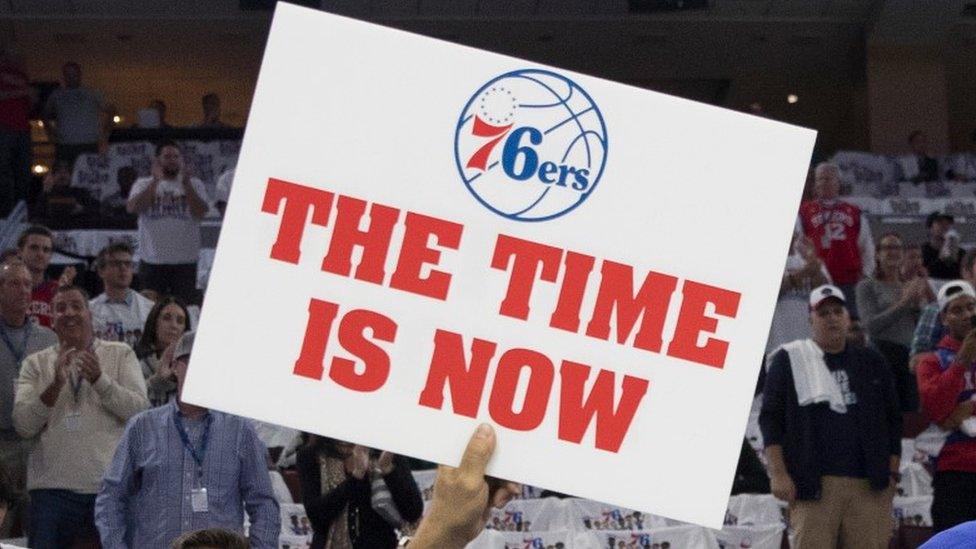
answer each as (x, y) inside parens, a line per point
(826, 291)
(952, 290)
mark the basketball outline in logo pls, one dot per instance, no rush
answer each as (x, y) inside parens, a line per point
(496, 130)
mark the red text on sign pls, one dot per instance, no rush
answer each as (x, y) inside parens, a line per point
(351, 332)
(642, 313)
(294, 203)
(450, 369)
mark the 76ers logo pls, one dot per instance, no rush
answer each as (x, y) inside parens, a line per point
(531, 145)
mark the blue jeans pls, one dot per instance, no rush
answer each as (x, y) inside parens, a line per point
(58, 518)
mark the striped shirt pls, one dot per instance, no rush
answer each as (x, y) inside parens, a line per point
(145, 499)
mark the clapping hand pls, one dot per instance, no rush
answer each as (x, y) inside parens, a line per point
(68, 276)
(88, 365)
(358, 462)
(385, 463)
(62, 365)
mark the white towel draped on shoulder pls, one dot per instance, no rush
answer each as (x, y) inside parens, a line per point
(814, 382)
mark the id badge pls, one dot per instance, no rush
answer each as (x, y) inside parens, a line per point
(198, 500)
(72, 422)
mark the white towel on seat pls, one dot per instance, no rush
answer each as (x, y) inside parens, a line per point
(814, 382)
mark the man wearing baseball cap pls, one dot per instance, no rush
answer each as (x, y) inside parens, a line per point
(929, 330)
(832, 429)
(946, 388)
(180, 468)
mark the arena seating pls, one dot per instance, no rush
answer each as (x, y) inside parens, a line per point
(871, 181)
(757, 521)
(98, 173)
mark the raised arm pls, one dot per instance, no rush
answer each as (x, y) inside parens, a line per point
(404, 491)
(198, 206)
(35, 397)
(124, 396)
(865, 243)
(143, 193)
(321, 508)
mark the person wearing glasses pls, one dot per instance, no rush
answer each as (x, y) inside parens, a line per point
(120, 313)
(890, 305)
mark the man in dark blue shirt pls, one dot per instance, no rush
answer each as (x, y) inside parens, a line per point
(834, 445)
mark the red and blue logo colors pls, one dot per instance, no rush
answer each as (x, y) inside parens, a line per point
(531, 145)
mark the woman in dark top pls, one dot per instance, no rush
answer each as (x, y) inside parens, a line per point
(336, 490)
(167, 321)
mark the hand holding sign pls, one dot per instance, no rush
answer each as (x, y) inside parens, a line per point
(462, 497)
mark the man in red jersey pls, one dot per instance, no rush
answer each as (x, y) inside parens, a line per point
(839, 231)
(36, 246)
(947, 387)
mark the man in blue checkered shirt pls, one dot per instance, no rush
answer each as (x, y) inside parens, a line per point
(180, 468)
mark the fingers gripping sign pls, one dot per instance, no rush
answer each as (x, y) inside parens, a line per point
(463, 497)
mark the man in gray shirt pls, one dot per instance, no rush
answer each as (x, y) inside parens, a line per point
(75, 117)
(19, 337)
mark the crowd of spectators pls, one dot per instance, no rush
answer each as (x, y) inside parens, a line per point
(96, 438)
(95, 443)
(835, 395)
(77, 120)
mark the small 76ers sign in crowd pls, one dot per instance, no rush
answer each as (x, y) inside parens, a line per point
(423, 236)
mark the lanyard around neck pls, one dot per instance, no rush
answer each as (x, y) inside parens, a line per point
(197, 454)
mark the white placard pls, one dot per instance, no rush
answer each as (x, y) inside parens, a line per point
(653, 229)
